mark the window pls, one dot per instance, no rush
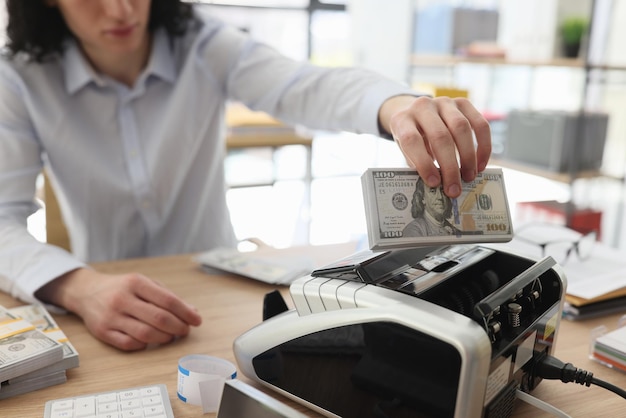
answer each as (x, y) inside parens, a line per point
(301, 29)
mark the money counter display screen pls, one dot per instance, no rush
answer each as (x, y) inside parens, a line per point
(367, 370)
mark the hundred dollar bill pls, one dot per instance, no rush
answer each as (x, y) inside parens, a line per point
(42, 320)
(402, 211)
(24, 348)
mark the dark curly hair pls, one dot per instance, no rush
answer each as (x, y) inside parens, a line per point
(39, 30)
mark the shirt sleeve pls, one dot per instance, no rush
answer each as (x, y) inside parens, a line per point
(342, 99)
(25, 263)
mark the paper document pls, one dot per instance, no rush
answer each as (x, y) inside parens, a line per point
(601, 274)
(610, 349)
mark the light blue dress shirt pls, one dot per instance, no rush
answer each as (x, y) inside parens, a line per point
(139, 171)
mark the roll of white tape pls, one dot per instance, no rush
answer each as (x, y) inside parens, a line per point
(201, 380)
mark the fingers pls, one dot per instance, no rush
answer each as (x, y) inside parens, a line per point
(163, 309)
(132, 311)
(437, 138)
(415, 148)
(482, 132)
(153, 314)
(460, 131)
(129, 333)
(122, 341)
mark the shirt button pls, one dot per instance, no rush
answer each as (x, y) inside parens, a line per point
(146, 204)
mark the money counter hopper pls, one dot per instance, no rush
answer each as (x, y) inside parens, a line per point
(449, 331)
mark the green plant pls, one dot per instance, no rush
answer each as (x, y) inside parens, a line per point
(573, 29)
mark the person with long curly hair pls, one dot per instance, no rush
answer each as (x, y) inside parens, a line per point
(122, 103)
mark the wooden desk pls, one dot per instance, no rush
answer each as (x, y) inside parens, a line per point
(231, 305)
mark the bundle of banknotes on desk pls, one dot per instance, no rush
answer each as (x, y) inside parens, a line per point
(402, 211)
(34, 351)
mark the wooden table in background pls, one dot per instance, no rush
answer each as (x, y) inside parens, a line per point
(231, 305)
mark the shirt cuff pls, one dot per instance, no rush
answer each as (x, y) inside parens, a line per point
(373, 100)
(44, 270)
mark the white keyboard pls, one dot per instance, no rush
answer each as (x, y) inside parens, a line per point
(144, 401)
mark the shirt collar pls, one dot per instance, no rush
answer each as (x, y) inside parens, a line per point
(162, 60)
(79, 73)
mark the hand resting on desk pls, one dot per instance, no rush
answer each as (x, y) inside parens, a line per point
(128, 311)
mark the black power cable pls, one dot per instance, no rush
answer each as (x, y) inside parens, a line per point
(549, 367)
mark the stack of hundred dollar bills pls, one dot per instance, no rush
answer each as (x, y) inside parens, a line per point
(37, 351)
(402, 211)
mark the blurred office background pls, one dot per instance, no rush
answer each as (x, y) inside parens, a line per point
(507, 57)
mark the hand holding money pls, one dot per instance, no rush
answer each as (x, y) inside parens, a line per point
(402, 211)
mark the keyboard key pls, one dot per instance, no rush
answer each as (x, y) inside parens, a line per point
(147, 401)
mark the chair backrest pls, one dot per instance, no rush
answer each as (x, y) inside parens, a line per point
(56, 232)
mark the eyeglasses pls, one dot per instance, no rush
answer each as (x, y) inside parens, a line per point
(558, 241)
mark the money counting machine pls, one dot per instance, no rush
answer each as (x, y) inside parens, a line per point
(448, 331)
